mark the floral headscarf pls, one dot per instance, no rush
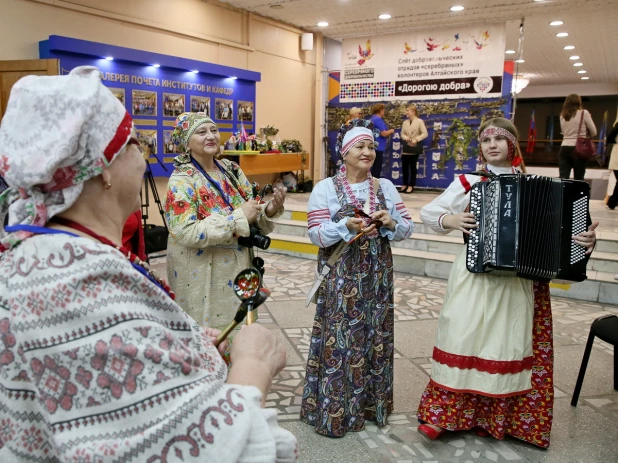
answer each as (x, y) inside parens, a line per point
(185, 126)
(57, 132)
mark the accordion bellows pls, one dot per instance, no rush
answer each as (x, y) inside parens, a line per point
(526, 224)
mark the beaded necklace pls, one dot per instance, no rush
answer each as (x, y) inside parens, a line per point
(370, 205)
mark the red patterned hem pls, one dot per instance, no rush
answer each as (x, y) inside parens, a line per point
(464, 362)
(472, 391)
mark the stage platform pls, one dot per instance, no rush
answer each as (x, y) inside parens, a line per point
(431, 255)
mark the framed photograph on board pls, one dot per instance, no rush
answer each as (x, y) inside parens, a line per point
(148, 140)
(173, 104)
(144, 103)
(224, 109)
(119, 93)
(168, 145)
(245, 111)
(200, 104)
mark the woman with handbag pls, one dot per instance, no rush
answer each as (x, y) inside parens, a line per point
(413, 132)
(577, 130)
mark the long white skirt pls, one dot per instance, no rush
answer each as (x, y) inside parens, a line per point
(484, 338)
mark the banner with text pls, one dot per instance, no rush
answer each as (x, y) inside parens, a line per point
(460, 62)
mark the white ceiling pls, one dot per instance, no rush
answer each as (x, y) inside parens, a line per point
(592, 26)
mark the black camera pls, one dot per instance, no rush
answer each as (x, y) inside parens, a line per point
(254, 239)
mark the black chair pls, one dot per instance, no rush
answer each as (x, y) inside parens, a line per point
(606, 329)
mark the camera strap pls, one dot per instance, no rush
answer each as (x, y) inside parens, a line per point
(214, 183)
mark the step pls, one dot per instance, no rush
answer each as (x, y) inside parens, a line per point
(599, 287)
(600, 261)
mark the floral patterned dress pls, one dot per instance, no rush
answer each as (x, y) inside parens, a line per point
(203, 254)
(349, 376)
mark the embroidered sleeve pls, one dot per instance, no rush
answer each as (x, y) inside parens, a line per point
(397, 210)
(323, 232)
(103, 365)
(197, 218)
(454, 200)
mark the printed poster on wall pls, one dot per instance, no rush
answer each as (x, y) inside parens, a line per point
(459, 62)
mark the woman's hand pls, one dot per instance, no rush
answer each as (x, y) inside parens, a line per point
(385, 218)
(412, 142)
(212, 334)
(256, 344)
(356, 225)
(588, 238)
(277, 202)
(252, 210)
(464, 222)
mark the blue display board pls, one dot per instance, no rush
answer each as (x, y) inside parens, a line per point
(156, 88)
(431, 172)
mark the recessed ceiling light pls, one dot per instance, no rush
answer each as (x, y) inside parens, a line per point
(582, 72)
(574, 57)
(569, 47)
(562, 34)
(578, 64)
(520, 61)
(585, 78)
(322, 24)
(109, 58)
(539, 0)
(556, 23)
(457, 8)
(510, 52)
(195, 71)
(385, 16)
(156, 65)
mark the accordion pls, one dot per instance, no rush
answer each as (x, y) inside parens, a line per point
(526, 224)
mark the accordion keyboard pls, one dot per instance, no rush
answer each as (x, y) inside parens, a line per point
(476, 245)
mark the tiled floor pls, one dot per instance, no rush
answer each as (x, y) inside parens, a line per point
(588, 433)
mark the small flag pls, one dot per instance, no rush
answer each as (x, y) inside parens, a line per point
(531, 135)
(602, 135)
(243, 134)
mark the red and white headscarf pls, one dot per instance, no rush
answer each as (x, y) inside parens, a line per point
(57, 132)
(352, 137)
(514, 154)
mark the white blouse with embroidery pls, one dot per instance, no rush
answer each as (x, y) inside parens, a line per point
(455, 199)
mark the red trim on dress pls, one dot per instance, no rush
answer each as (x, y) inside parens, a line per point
(465, 362)
(465, 183)
(472, 391)
(123, 132)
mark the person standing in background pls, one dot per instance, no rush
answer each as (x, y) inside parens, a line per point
(377, 112)
(355, 113)
(413, 132)
(570, 122)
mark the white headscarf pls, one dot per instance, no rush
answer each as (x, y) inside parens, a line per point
(353, 136)
(57, 132)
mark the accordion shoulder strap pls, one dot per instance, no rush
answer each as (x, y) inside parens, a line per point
(483, 173)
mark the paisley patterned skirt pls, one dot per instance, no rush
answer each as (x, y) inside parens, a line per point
(349, 376)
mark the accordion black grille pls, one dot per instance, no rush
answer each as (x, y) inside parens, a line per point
(540, 208)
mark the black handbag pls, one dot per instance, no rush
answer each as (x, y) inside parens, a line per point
(416, 149)
(155, 238)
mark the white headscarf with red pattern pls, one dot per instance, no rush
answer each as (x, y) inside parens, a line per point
(57, 132)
